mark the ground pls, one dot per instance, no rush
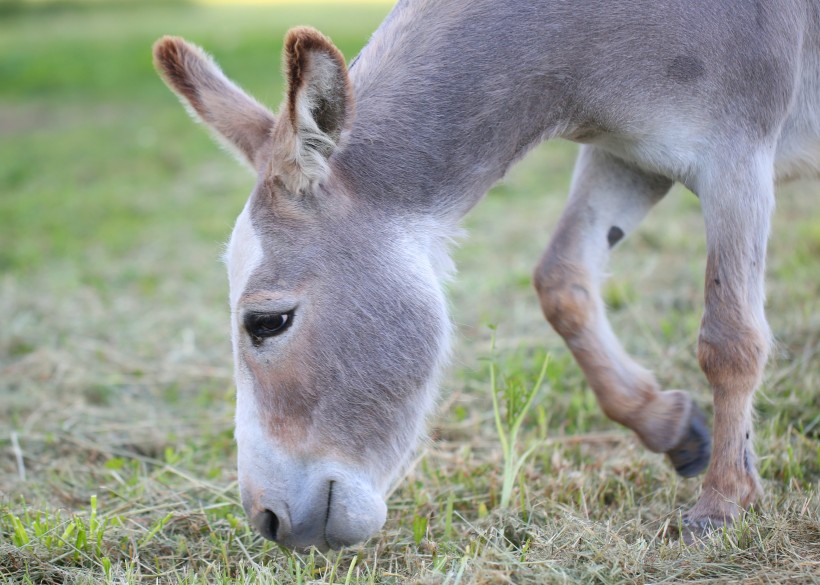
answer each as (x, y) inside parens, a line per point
(117, 462)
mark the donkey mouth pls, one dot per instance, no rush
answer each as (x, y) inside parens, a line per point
(328, 514)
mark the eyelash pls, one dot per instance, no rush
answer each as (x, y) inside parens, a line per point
(261, 326)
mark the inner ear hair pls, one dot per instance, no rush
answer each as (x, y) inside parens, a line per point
(317, 77)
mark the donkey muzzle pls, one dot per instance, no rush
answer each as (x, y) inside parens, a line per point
(329, 511)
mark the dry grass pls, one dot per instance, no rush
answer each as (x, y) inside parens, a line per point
(115, 373)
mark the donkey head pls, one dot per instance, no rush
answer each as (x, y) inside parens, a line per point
(338, 321)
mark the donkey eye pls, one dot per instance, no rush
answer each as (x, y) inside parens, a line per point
(263, 325)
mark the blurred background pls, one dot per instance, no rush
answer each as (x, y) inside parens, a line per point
(115, 363)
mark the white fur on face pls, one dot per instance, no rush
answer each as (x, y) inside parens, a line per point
(421, 250)
(243, 256)
(256, 454)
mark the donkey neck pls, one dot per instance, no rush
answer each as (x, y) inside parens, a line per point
(442, 109)
(450, 93)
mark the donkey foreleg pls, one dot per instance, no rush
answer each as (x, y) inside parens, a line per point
(737, 200)
(607, 200)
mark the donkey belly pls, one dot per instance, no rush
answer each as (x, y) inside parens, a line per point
(665, 147)
(798, 156)
(798, 147)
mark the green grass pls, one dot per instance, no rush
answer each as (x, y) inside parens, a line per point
(115, 375)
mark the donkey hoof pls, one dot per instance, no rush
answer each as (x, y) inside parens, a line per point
(691, 456)
(695, 531)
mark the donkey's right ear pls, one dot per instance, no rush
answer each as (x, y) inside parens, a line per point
(237, 119)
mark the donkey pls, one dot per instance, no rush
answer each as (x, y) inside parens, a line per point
(336, 263)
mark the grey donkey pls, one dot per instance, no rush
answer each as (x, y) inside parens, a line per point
(336, 263)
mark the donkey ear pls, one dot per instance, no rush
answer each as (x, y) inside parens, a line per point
(237, 119)
(319, 102)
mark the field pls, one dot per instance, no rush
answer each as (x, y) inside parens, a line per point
(117, 461)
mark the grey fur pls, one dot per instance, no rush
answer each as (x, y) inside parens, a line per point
(723, 96)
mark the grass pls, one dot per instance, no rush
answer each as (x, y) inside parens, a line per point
(517, 402)
(118, 462)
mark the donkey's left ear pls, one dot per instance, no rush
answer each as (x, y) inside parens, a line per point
(319, 104)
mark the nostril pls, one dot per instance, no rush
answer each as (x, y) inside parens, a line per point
(267, 524)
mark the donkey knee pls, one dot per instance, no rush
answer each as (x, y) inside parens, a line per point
(566, 296)
(732, 356)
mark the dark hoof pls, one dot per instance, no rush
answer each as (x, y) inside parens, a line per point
(695, 532)
(691, 456)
